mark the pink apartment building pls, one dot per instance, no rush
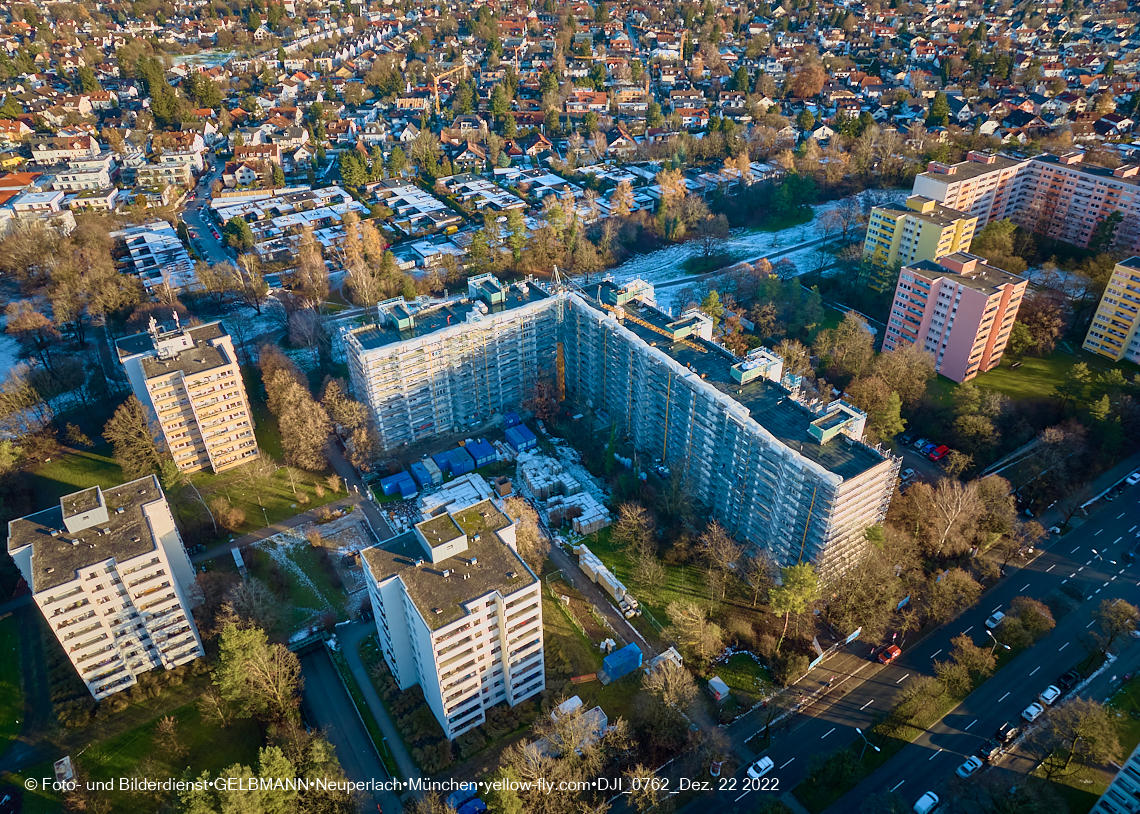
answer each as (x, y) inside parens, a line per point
(959, 310)
(1059, 196)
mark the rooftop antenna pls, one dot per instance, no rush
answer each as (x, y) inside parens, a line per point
(177, 321)
(152, 326)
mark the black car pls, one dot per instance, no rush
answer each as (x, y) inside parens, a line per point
(990, 751)
(1007, 732)
(1069, 679)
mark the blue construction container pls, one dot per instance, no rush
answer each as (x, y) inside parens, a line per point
(511, 420)
(443, 461)
(461, 462)
(420, 474)
(475, 806)
(407, 486)
(620, 663)
(482, 452)
(391, 484)
(520, 438)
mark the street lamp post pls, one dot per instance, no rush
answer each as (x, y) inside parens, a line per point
(1097, 554)
(866, 743)
(990, 633)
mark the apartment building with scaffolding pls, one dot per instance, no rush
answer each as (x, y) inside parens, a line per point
(108, 571)
(459, 613)
(190, 381)
(1058, 196)
(436, 367)
(784, 472)
(1115, 328)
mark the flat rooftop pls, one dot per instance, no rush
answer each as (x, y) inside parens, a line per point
(965, 170)
(984, 278)
(441, 599)
(56, 558)
(430, 320)
(144, 342)
(1089, 169)
(940, 215)
(194, 359)
(768, 403)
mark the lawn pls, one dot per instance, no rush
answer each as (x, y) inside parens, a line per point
(294, 570)
(682, 582)
(1036, 377)
(69, 472)
(748, 681)
(11, 685)
(136, 752)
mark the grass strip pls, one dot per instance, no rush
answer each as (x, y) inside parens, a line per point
(378, 740)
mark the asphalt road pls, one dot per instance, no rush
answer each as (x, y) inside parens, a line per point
(931, 760)
(830, 724)
(196, 217)
(329, 707)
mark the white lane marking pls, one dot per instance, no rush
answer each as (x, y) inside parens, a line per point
(1090, 624)
(828, 732)
(1050, 568)
(1035, 669)
(1065, 580)
(995, 610)
(1118, 539)
(1075, 550)
(899, 784)
(1087, 563)
(1121, 515)
(1066, 644)
(1025, 586)
(787, 763)
(936, 754)
(867, 704)
(1003, 698)
(1106, 584)
(904, 678)
(936, 652)
(1132, 529)
(967, 630)
(1098, 590)
(970, 724)
(1082, 568)
(738, 799)
(1098, 532)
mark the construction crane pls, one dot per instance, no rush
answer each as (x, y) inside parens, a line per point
(435, 82)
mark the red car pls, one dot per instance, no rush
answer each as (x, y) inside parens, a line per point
(939, 453)
(889, 654)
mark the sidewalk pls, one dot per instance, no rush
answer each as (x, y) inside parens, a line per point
(350, 636)
(1056, 515)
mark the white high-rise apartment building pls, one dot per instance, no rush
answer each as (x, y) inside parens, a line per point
(190, 380)
(109, 573)
(459, 613)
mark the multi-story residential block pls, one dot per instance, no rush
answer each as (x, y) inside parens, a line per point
(959, 310)
(1115, 329)
(920, 230)
(164, 174)
(111, 577)
(780, 470)
(433, 370)
(459, 613)
(1123, 795)
(86, 173)
(1058, 196)
(190, 381)
(49, 149)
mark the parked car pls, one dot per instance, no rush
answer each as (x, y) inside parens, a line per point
(1134, 478)
(461, 795)
(929, 448)
(1050, 695)
(971, 765)
(889, 654)
(939, 453)
(995, 620)
(472, 806)
(760, 768)
(1007, 732)
(990, 751)
(905, 439)
(1032, 712)
(920, 443)
(1070, 679)
(907, 474)
(715, 767)
(926, 803)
